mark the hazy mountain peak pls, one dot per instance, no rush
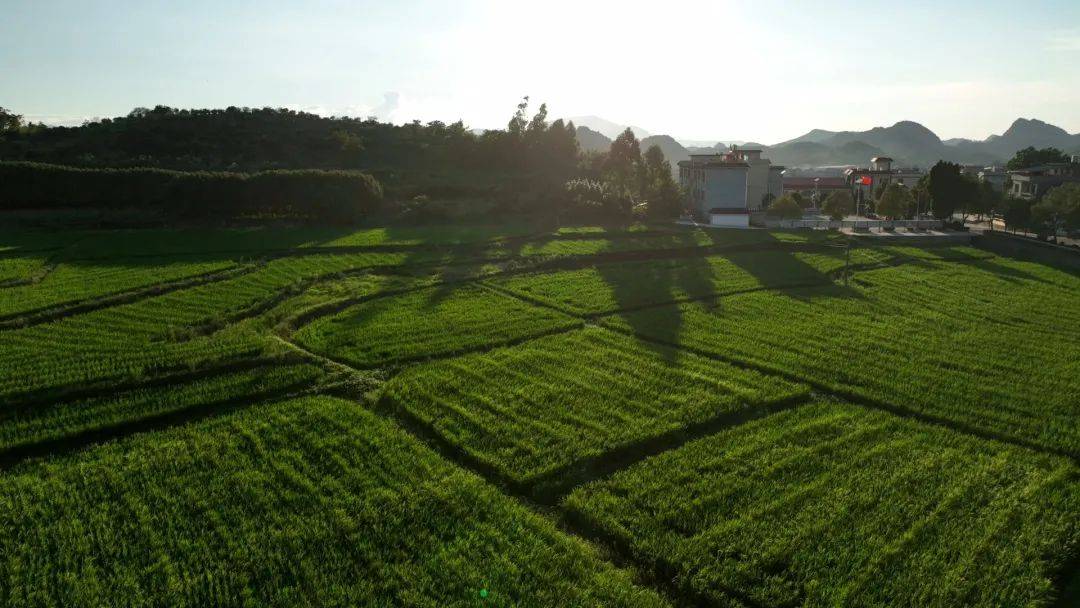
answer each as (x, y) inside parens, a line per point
(592, 141)
(609, 129)
(1034, 126)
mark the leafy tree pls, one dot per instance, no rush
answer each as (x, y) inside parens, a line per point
(786, 208)
(517, 124)
(947, 188)
(971, 199)
(1030, 157)
(538, 125)
(1017, 213)
(663, 195)
(799, 199)
(1059, 210)
(990, 199)
(623, 168)
(9, 121)
(838, 204)
(895, 202)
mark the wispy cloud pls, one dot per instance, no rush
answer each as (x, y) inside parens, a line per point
(1064, 41)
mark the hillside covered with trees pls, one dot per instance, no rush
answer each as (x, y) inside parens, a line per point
(425, 170)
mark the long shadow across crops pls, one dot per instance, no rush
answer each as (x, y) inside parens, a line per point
(695, 276)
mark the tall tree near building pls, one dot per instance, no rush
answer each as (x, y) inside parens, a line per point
(895, 202)
(1017, 213)
(623, 166)
(989, 200)
(662, 193)
(1030, 157)
(971, 198)
(838, 204)
(947, 188)
(785, 208)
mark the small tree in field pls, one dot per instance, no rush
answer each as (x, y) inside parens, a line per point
(838, 204)
(895, 202)
(785, 208)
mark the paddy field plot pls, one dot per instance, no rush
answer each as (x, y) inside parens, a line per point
(836, 505)
(520, 415)
(290, 503)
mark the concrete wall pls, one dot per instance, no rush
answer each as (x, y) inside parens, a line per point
(730, 220)
(776, 183)
(757, 182)
(724, 187)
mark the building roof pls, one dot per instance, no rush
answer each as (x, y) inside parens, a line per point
(809, 183)
(1037, 169)
(880, 159)
(718, 163)
(865, 171)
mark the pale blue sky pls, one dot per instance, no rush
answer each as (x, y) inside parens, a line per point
(765, 70)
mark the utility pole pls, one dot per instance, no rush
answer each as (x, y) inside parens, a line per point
(847, 260)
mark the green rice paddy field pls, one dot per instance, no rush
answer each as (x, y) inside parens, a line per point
(509, 416)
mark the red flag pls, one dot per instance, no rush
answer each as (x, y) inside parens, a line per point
(865, 180)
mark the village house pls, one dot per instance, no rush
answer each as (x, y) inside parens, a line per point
(1033, 182)
(724, 189)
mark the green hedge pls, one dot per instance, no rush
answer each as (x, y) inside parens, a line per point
(332, 196)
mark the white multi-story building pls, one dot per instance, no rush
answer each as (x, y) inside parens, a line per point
(725, 188)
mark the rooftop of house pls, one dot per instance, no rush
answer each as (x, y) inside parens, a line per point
(869, 171)
(1040, 169)
(810, 183)
(716, 162)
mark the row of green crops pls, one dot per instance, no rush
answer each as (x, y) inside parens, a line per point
(156, 333)
(432, 322)
(521, 238)
(80, 351)
(307, 502)
(217, 302)
(99, 264)
(680, 239)
(835, 505)
(978, 343)
(72, 282)
(541, 406)
(18, 269)
(32, 423)
(610, 287)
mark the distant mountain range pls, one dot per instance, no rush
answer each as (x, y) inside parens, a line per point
(607, 128)
(907, 142)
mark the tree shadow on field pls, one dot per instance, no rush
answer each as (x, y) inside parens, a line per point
(637, 285)
(695, 279)
(1007, 273)
(780, 268)
(448, 264)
